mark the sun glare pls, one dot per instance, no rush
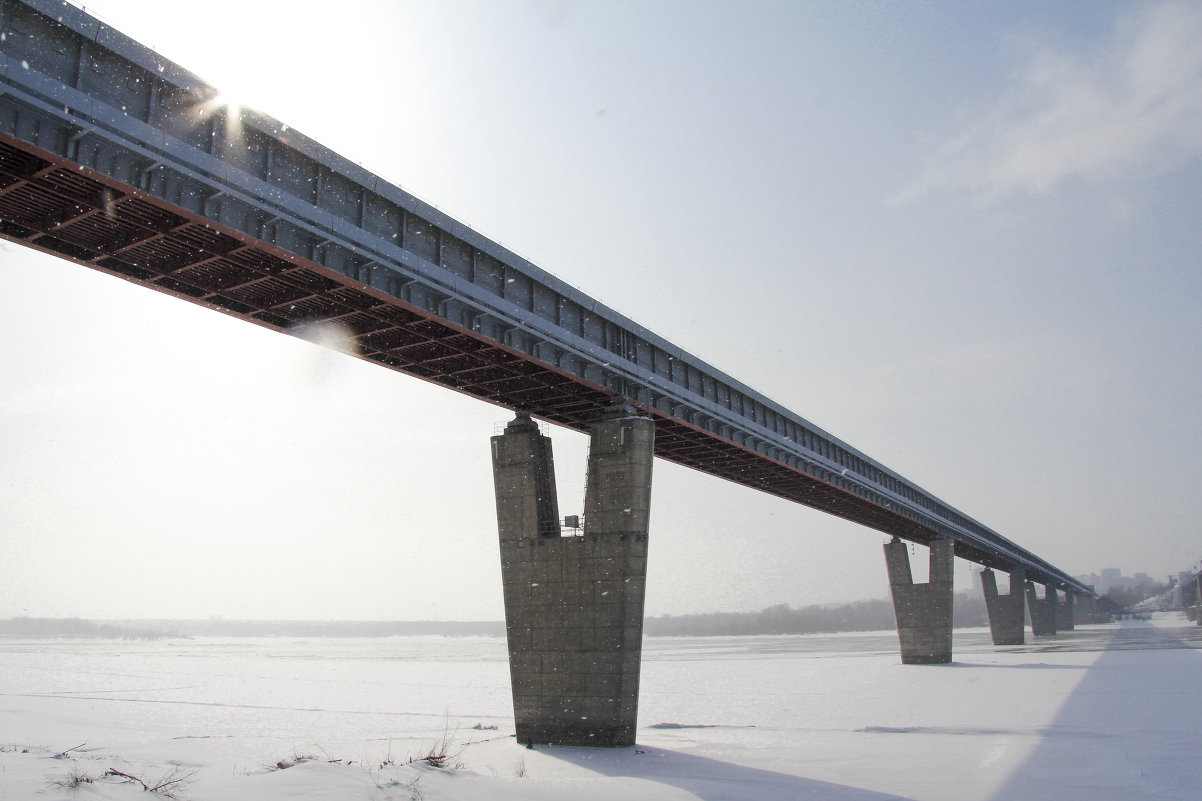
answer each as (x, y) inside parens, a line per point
(230, 107)
(228, 101)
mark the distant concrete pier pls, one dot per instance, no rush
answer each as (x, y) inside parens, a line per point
(1006, 612)
(923, 611)
(1065, 612)
(1197, 618)
(574, 604)
(1043, 610)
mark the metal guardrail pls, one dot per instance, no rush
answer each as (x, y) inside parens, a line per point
(76, 89)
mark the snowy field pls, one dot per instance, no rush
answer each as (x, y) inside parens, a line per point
(1106, 712)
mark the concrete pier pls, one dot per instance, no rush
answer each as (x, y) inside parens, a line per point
(1198, 598)
(923, 611)
(1086, 610)
(1043, 611)
(1065, 613)
(1007, 613)
(574, 604)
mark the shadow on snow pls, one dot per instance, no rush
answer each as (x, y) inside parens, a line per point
(1125, 732)
(710, 779)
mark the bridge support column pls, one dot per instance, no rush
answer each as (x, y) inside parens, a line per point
(1065, 613)
(1006, 612)
(923, 611)
(1043, 611)
(1086, 610)
(1198, 599)
(574, 604)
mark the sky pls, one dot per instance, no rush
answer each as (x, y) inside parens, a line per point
(962, 238)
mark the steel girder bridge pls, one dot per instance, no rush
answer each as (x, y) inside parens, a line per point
(119, 160)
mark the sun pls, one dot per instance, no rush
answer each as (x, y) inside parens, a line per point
(231, 91)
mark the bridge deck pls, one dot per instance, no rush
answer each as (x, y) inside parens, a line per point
(114, 158)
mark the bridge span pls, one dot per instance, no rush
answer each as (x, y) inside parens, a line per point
(114, 158)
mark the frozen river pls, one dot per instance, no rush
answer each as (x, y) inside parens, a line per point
(1106, 712)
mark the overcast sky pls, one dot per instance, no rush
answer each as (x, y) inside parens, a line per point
(964, 238)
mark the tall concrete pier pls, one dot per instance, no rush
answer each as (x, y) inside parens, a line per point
(574, 604)
(1043, 610)
(923, 611)
(1006, 612)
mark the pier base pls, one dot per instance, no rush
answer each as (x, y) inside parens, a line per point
(574, 604)
(1043, 611)
(1065, 613)
(923, 611)
(1006, 612)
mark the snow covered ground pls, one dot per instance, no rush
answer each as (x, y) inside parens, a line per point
(1106, 712)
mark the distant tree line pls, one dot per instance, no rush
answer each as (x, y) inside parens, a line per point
(154, 629)
(341, 628)
(74, 627)
(1119, 598)
(875, 615)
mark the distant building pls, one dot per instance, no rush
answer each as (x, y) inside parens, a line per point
(1112, 578)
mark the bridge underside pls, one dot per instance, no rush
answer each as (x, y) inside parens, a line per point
(55, 206)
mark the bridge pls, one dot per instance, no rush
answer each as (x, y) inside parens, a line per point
(116, 159)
